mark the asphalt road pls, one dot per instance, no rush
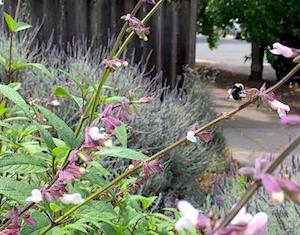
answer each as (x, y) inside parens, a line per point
(229, 55)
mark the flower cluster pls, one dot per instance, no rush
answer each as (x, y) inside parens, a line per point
(243, 223)
(274, 185)
(113, 116)
(137, 26)
(114, 64)
(95, 137)
(14, 227)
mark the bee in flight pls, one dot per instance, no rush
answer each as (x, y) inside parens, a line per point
(237, 92)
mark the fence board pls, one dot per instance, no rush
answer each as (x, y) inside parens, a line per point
(173, 28)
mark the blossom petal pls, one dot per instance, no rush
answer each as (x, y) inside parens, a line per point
(188, 211)
(257, 225)
(36, 196)
(272, 187)
(191, 136)
(261, 163)
(74, 198)
(290, 120)
(279, 49)
(247, 171)
(183, 223)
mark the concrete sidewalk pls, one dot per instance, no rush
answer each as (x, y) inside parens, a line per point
(253, 131)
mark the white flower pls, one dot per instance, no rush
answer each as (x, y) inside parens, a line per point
(242, 217)
(36, 196)
(74, 198)
(189, 218)
(279, 49)
(55, 103)
(96, 135)
(281, 108)
(108, 143)
(191, 136)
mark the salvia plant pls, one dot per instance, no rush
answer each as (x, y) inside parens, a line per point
(52, 179)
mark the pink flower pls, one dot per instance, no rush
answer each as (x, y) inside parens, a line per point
(290, 120)
(246, 224)
(190, 217)
(279, 49)
(108, 120)
(137, 26)
(54, 192)
(114, 64)
(282, 109)
(14, 227)
(93, 139)
(206, 136)
(151, 168)
(275, 186)
(71, 172)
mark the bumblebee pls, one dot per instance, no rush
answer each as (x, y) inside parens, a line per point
(237, 92)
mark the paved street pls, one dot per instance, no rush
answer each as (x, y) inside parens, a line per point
(252, 131)
(229, 55)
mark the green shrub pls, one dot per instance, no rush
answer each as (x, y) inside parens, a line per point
(157, 124)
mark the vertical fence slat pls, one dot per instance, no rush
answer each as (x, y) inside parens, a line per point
(173, 28)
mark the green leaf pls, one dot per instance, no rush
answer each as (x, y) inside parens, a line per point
(11, 23)
(297, 59)
(54, 207)
(122, 153)
(22, 26)
(45, 135)
(34, 229)
(15, 97)
(147, 201)
(15, 190)
(37, 66)
(22, 164)
(121, 133)
(99, 169)
(62, 92)
(62, 129)
(113, 99)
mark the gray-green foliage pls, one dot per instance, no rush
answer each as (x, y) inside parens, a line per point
(156, 125)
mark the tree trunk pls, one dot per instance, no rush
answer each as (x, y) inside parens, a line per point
(257, 57)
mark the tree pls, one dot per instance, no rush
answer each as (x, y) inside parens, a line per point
(263, 22)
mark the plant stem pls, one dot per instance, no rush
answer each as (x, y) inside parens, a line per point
(105, 75)
(256, 184)
(172, 146)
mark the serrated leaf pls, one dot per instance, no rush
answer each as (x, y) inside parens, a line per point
(297, 59)
(122, 153)
(121, 133)
(11, 23)
(15, 97)
(62, 129)
(38, 66)
(22, 26)
(15, 190)
(22, 164)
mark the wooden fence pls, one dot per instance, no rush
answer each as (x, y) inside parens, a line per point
(173, 28)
